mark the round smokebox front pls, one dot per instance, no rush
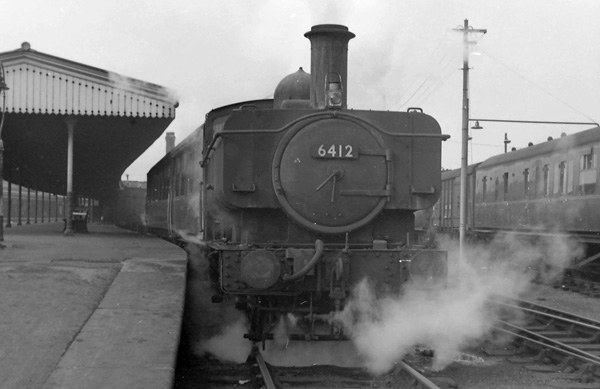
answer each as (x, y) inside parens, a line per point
(331, 175)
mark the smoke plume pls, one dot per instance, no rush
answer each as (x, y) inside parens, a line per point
(450, 319)
(211, 328)
(229, 345)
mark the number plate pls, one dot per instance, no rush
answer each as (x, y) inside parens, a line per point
(338, 151)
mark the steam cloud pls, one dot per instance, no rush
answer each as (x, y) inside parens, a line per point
(229, 345)
(123, 84)
(283, 352)
(450, 319)
(216, 329)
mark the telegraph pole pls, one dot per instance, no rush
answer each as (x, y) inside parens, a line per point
(466, 30)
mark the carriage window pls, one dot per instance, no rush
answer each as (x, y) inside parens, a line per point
(560, 189)
(165, 188)
(587, 162)
(546, 171)
(447, 199)
(177, 180)
(149, 191)
(484, 187)
(505, 179)
(526, 182)
(496, 190)
(159, 184)
(183, 175)
(587, 174)
(180, 178)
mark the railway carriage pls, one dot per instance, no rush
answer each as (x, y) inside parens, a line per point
(548, 188)
(173, 190)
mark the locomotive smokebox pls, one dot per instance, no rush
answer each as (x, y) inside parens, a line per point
(329, 65)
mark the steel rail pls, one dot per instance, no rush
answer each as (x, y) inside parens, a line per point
(270, 383)
(550, 343)
(572, 319)
(264, 371)
(420, 378)
(558, 312)
(562, 317)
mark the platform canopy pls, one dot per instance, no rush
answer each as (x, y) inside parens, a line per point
(116, 118)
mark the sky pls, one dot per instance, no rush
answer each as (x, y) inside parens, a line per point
(538, 61)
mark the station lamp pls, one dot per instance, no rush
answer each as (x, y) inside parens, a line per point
(477, 126)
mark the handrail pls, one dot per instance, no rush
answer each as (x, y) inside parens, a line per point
(333, 114)
(319, 246)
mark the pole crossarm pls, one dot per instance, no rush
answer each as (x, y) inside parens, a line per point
(471, 29)
(532, 121)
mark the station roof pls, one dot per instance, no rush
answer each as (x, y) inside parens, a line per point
(117, 119)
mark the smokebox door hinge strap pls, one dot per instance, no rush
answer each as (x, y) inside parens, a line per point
(422, 191)
(243, 188)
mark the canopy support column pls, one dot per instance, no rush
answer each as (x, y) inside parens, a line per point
(71, 121)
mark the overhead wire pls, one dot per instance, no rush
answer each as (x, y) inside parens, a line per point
(447, 72)
(422, 88)
(538, 86)
(424, 82)
(429, 84)
(432, 84)
(532, 83)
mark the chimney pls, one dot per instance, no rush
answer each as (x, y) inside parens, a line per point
(170, 138)
(329, 59)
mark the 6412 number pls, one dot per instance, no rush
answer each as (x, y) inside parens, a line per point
(336, 151)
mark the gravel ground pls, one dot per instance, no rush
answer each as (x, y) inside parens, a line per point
(571, 302)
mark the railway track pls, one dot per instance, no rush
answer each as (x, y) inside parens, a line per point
(256, 373)
(565, 348)
(565, 342)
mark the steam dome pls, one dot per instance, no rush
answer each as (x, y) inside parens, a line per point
(295, 86)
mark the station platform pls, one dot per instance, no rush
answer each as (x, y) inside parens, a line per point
(97, 310)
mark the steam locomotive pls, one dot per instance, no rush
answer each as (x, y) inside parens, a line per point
(296, 199)
(549, 188)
